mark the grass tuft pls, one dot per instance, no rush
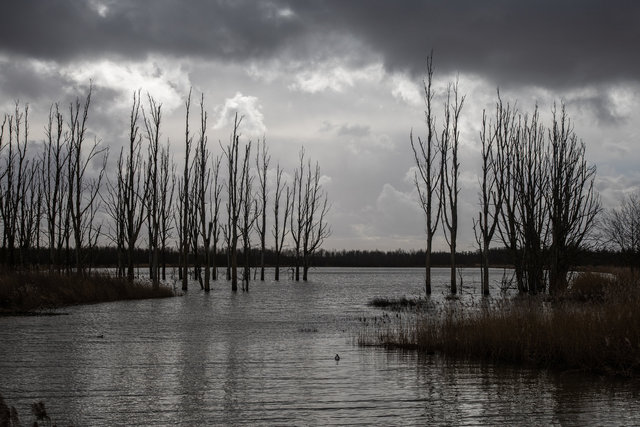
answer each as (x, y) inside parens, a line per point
(397, 304)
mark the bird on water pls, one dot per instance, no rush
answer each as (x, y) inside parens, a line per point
(337, 358)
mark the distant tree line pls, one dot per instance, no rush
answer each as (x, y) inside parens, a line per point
(107, 256)
(56, 197)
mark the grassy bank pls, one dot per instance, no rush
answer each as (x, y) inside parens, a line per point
(594, 327)
(32, 292)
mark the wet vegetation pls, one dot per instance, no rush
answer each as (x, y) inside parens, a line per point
(593, 326)
(9, 415)
(397, 304)
(23, 293)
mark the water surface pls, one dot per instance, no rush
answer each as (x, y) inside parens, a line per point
(267, 357)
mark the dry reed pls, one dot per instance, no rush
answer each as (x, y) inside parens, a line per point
(594, 326)
(22, 292)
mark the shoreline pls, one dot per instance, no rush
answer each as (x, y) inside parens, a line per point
(37, 293)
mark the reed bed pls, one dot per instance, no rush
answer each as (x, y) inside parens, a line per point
(594, 326)
(33, 292)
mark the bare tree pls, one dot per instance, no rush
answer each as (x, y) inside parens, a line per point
(13, 179)
(152, 122)
(203, 183)
(185, 209)
(238, 168)
(309, 227)
(29, 208)
(167, 180)
(115, 208)
(134, 187)
(298, 213)
(216, 200)
(620, 228)
(450, 172)
(509, 226)
(262, 164)
(249, 211)
(54, 157)
(532, 182)
(427, 176)
(83, 191)
(280, 231)
(524, 180)
(572, 201)
(491, 192)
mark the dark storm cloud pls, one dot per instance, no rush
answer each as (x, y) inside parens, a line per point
(543, 42)
(66, 29)
(22, 80)
(548, 42)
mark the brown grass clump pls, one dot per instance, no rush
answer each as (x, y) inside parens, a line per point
(594, 327)
(24, 292)
(397, 304)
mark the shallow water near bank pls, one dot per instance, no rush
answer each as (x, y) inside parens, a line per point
(267, 357)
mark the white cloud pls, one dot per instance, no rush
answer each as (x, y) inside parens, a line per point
(248, 108)
(335, 77)
(165, 80)
(324, 180)
(406, 90)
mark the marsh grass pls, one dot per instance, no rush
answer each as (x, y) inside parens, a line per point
(35, 292)
(594, 326)
(397, 304)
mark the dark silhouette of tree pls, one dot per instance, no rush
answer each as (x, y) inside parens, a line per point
(309, 227)
(238, 169)
(493, 136)
(249, 212)
(280, 231)
(215, 212)
(620, 228)
(132, 189)
(572, 201)
(184, 210)
(152, 122)
(202, 196)
(262, 164)
(14, 173)
(427, 176)
(450, 172)
(167, 188)
(54, 158)
(83, 191)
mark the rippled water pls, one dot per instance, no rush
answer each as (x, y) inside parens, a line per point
(267, 357)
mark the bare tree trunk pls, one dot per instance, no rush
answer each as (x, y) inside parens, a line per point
(262, 163)
(312, 211)
(54, 158)
(167, 188)
(215, 213)
(185, 199)
(152, 126)
(280, 232)
(450, 172)
(238, 168)
(427, 176)
(203, 181)
(572, 201)
(83, 194)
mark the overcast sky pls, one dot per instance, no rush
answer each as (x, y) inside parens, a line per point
(341, 78)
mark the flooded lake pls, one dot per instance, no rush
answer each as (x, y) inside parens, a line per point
(267, 357)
